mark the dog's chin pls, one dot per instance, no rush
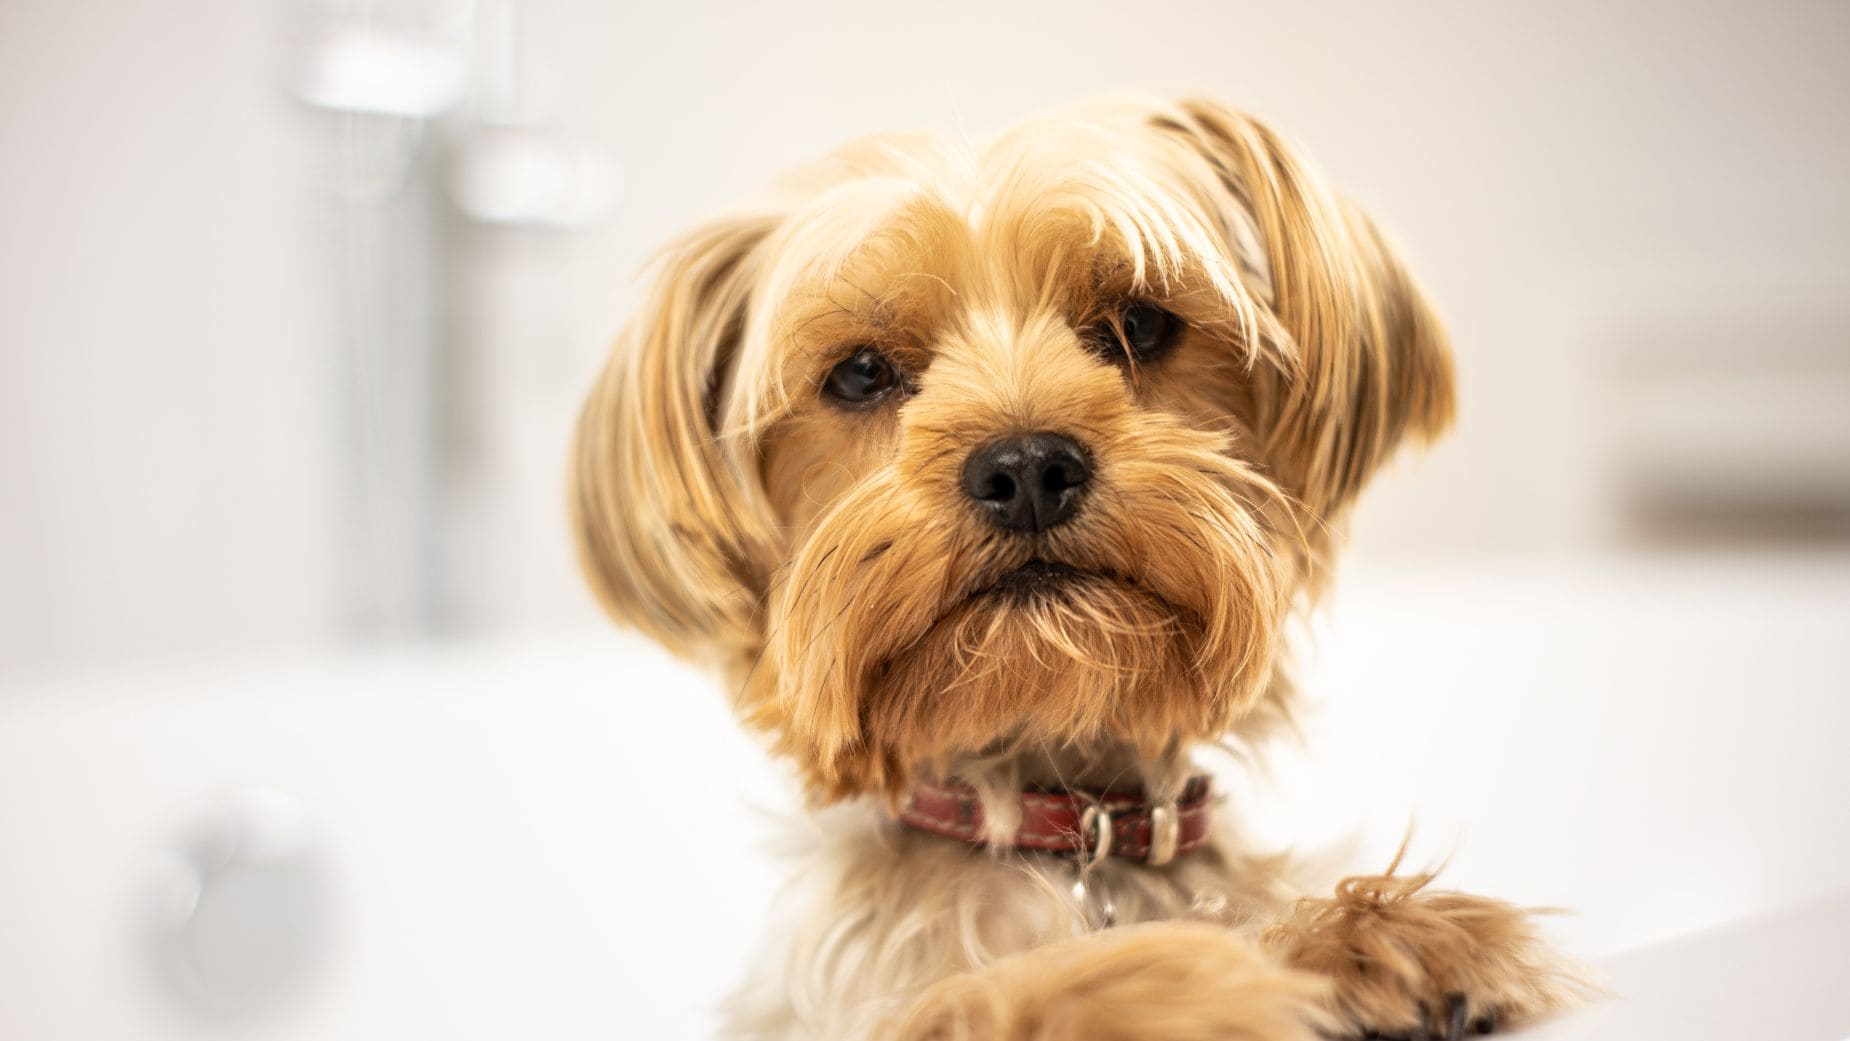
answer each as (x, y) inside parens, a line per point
(1078, 615)
(1038, 580)
(1044, 655)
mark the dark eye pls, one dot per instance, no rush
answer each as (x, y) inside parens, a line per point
(1142, 332)
(863, 376)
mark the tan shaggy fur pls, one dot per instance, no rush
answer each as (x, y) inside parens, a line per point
(825, 556)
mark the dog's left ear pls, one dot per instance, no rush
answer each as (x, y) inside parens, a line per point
(1363, 361)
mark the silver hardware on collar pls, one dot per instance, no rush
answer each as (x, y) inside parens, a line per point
(1095, 900)
(1165, 832)
(1097, 822)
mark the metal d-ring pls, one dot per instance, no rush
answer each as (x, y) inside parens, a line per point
(1096, 822)
(1094, 900)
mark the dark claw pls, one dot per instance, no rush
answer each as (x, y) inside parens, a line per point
(1486, 1023)
(1455, 1022)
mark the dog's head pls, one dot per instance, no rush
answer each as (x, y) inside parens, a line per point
(950, 452)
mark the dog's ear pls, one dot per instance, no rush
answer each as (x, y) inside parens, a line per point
(661, 505)
(1362, 359)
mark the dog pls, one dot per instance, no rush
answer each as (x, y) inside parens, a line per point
(989, 479)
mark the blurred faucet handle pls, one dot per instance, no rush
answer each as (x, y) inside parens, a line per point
(513, 175)
(382, 70)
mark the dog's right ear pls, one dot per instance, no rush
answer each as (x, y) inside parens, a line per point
(660, 505)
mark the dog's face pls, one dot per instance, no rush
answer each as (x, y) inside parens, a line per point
(951, 454)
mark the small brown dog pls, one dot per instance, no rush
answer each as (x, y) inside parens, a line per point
(990, 478)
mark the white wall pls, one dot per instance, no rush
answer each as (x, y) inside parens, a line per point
(1559, 173)
(165, 434)
(1553, 170)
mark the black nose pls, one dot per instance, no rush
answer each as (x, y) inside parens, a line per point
(1028, 483)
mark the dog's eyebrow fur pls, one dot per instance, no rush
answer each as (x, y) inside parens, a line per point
(1140, 180)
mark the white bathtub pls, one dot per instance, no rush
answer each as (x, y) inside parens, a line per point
(557, 838)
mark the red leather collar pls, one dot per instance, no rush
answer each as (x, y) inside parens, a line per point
(1086, 822)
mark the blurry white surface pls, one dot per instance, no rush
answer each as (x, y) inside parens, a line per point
(1776, 975)
(500, 827)
(1654, 744)
(239, 912)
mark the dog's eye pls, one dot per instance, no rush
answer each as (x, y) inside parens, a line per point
(1141, 332)
(863, 376)
(1147, 329)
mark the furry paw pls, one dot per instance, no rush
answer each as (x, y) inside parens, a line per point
(1410, 963)
(1174, 981)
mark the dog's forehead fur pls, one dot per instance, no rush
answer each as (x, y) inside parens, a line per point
(917, 244)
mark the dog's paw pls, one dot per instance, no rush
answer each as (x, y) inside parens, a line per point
(1171, 981)
(1406, 962)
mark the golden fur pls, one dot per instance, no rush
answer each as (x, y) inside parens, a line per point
(825, 557)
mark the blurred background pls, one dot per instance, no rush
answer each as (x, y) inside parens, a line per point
(307, 728)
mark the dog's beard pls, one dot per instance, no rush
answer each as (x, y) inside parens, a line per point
(905, 632)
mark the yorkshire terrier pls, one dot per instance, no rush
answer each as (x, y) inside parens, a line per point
(990, 478)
